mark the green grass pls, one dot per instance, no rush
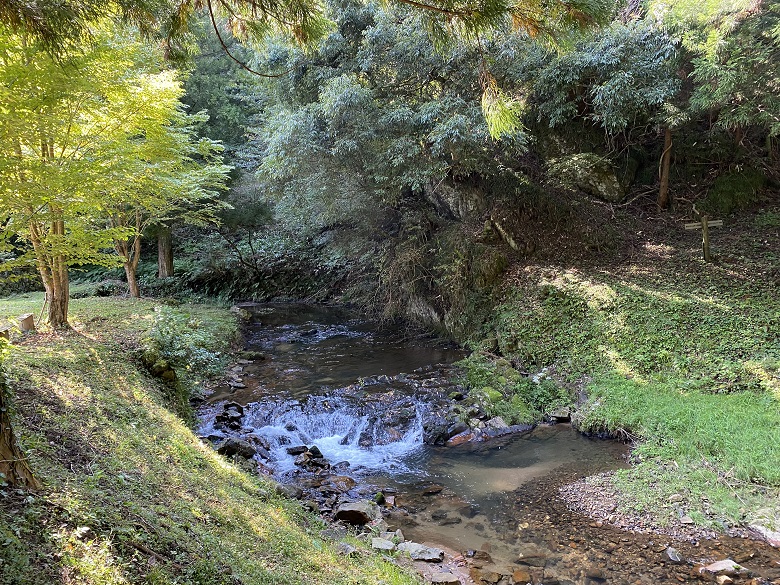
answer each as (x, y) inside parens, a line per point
(720, 451)
(130, 494)
(681, 356)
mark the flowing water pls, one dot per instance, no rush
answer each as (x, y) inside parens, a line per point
(377, 406)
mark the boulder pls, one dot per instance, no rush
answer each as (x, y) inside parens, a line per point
(496, 423)
(358, 513)
(382, 544)
(232, 446)
(590, 173)
(419, 552)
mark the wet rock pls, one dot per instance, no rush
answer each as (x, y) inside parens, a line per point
(382, 544)
(342, 483)
(456, 429)
(460, 438)
(725, 567)
(444, 579)
(673, 555)
(299, 450)
(358, 513)
(485, 576)
(521, 576)
(432, 489)
(230, 416)
(419, 552)
(435, 431)
(259, 440)
(532, 559)
(232, 446)
(478, 557)
(315, 452)
(303, 459)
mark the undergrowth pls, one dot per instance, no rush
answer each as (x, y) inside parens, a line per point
(500, 390)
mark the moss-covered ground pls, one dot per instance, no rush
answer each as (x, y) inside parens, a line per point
(130, 494)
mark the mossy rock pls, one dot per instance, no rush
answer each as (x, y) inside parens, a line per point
(734, 192)
(589, 173)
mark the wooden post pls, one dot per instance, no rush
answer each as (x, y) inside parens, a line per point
(705, 238)
(704, 225)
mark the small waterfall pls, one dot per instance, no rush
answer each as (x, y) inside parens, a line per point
(367, 436)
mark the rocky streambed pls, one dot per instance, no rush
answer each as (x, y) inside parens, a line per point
(324, 405)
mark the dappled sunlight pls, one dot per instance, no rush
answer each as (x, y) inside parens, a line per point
(621, 366)
(89, 559)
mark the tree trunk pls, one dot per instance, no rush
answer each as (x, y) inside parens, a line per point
(13, 464)
(60, 283)
(132, 280)
(666, 159)
(164, 252)
(58, 297)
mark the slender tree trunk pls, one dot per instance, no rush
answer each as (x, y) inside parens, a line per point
(666, 159)
(13, 464)
(132, 280)
(54, 275)
(130, 252)
(164, 252)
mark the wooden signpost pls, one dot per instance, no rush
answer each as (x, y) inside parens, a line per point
(704, 225)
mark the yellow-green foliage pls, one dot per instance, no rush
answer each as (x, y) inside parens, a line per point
(131, 495)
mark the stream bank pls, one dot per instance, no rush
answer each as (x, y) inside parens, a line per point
(384, 437)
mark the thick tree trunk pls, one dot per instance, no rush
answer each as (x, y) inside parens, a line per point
(58, 297)
(132, 280)
(666, 159)
(164, 252)
(13, 464)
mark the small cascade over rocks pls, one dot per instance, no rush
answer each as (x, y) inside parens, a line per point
(378, 423)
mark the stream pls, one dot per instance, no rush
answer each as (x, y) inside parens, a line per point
(384, 413)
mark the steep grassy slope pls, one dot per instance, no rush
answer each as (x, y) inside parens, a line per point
(130, 494)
